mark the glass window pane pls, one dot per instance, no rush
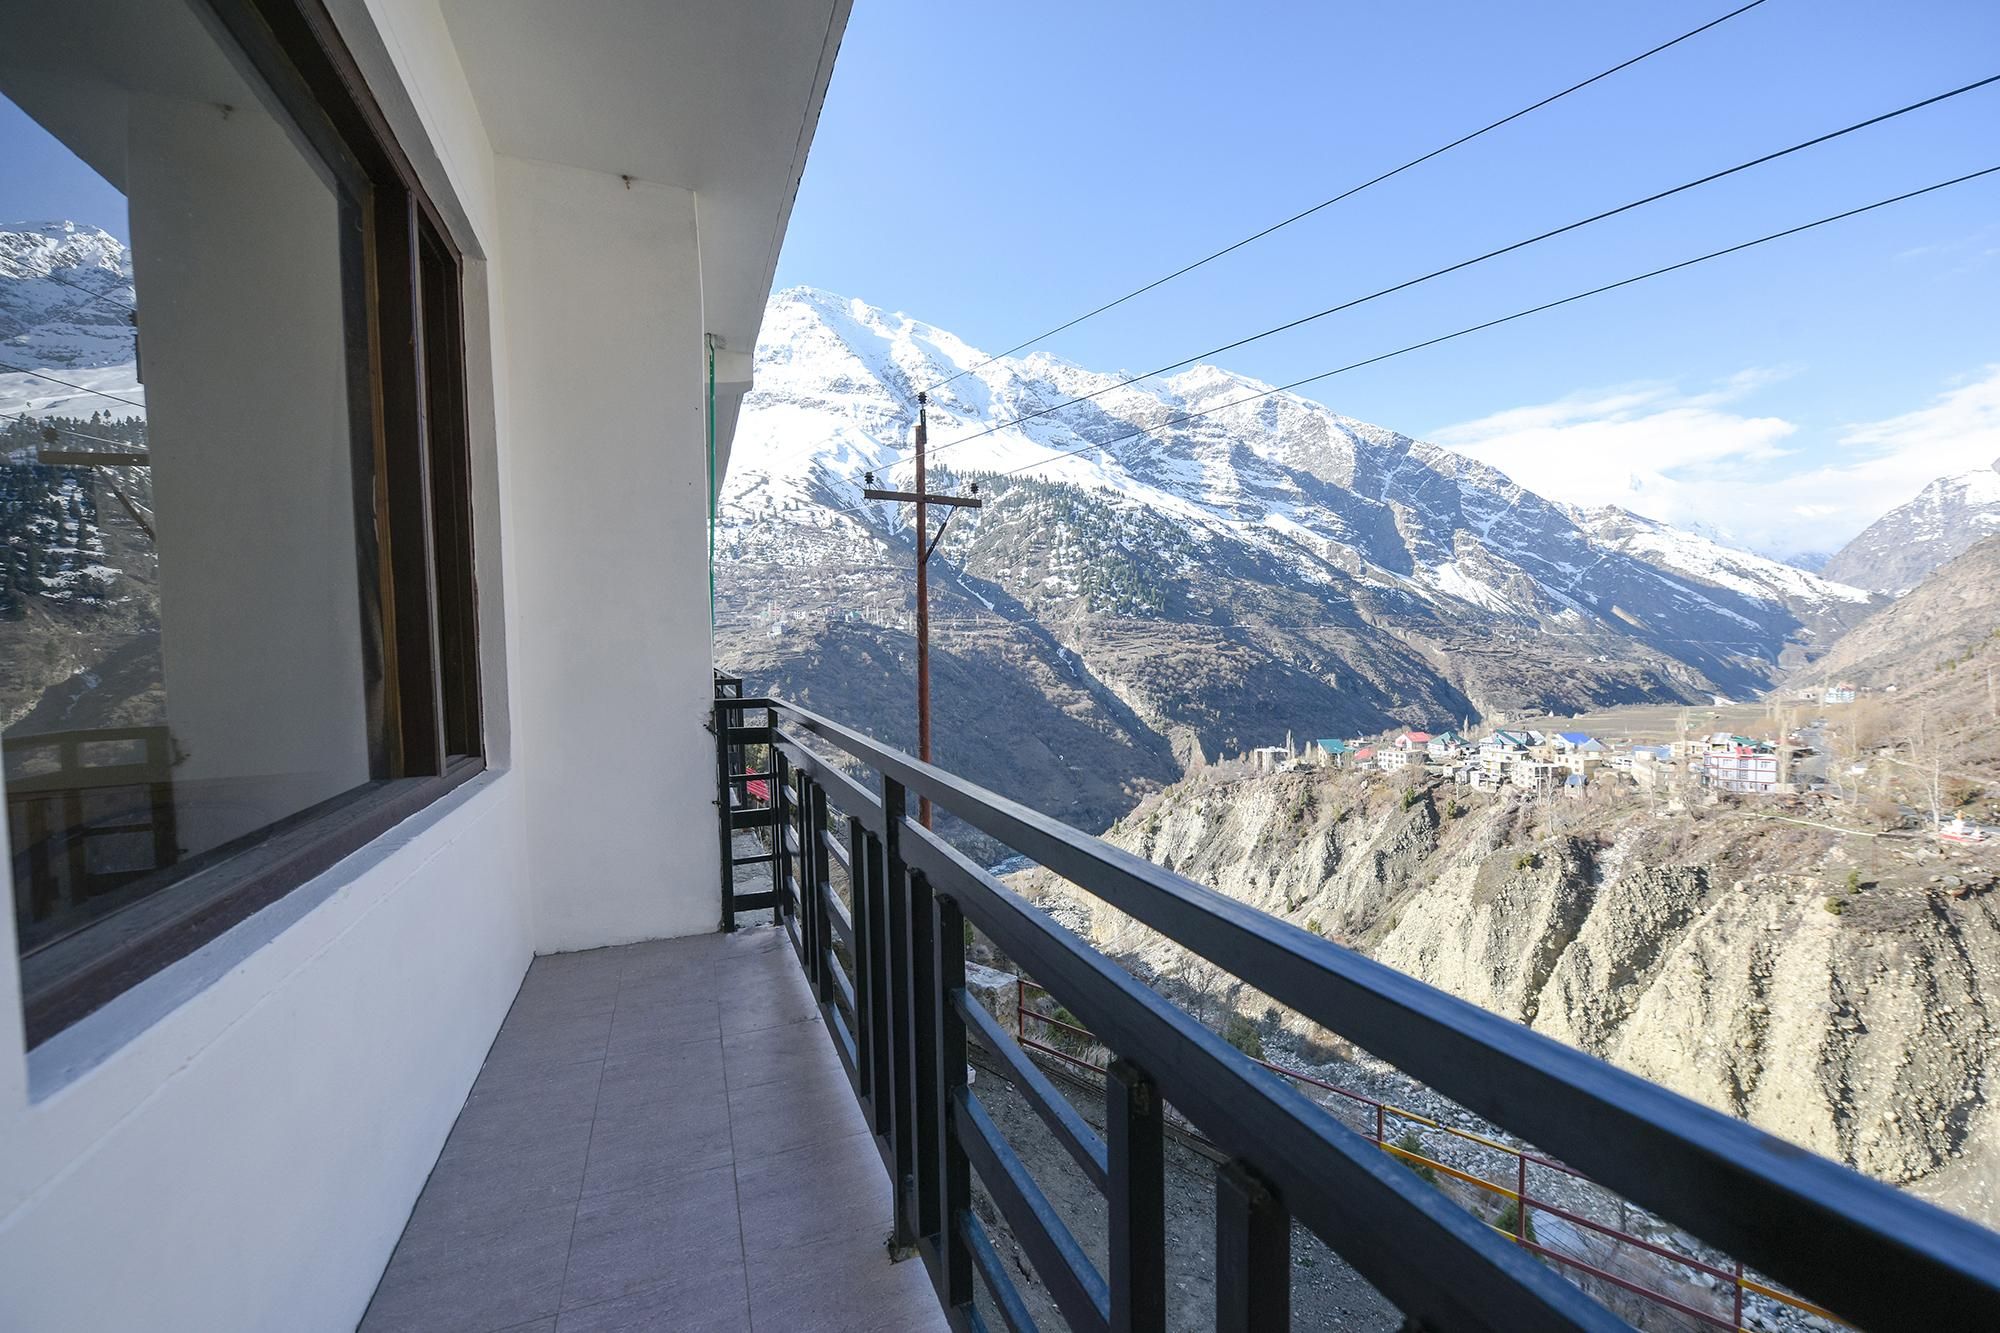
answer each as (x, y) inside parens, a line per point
(182, 653)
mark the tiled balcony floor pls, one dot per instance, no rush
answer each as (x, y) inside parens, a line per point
(661, 1138)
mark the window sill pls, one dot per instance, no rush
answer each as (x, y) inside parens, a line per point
(70, 978)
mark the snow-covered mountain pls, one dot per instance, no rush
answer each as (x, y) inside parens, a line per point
(1213, 581)
(78, 569)
(1709, 561)
(67, 307)
(1896, 551)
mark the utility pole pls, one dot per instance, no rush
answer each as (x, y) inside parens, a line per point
(923, 499)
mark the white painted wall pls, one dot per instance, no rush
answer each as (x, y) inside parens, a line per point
(603, 346)
(236, 1143)
(405, 49)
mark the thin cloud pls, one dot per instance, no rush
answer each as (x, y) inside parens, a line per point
(1695, 459)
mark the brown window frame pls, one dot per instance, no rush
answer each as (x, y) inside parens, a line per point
(407, 363)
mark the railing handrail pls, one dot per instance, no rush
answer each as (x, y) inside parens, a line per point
(1523, 1157)
(1807, 1221)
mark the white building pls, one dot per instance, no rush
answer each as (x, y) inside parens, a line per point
(543, 224)
(1270, 758)
(1536, 773)
(1737, 764)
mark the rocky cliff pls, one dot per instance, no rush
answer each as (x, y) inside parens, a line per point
(1832, 990)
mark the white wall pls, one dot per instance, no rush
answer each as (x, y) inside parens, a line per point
(246, 1158)
(598, 386)
(608, 541)
(236, 1143)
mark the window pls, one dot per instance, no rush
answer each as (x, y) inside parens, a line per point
(237, 625)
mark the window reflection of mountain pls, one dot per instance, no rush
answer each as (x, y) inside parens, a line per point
(90, 801)
(79, 612)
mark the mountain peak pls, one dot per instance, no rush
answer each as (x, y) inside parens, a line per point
(1897, 551)
(66, 300)
(35, 249)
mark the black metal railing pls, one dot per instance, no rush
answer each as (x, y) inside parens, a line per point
(889, 975)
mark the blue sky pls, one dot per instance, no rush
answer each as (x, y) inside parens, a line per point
(42, 181)
(997, 169)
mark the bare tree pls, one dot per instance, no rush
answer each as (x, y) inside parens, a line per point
(1927, 759)
(1844, 750)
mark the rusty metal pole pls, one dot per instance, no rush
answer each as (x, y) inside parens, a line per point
(1521, 1197)
(922, 498)
(923, 612)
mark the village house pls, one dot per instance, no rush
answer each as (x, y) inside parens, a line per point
(1536, 774)
(1395, 758)
(1269, 758)
(1652, 766)
(1576, 750)
(1478, 778)
(1498, 751)
(1445, 745)
(1739, 764)
(1329, 753)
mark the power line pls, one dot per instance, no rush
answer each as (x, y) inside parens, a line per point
(1467, 263)
(1185, 418)
(23, 370)
(1522, 314)
(1347, 194)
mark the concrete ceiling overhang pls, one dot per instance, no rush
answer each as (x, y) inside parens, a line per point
(717, 98)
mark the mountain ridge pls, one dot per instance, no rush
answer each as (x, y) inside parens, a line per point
(1954, 609)
(1897, 551)
(1211, 570)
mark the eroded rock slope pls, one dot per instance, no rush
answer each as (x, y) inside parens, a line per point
(1717, 951)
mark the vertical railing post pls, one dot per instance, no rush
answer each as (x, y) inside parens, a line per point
(897, 1036)
(777, 785)
(1736, 1312)
(1253, 1255)
(733, 689)
(1135, 1191)
(952, 1177)
(805, 884)
(926, 1111)
(860, 876)
(1521, 1197)
(882, 1078)
(822, 889)
(724, 807)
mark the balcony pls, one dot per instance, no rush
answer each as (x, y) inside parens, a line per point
(876, 909)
